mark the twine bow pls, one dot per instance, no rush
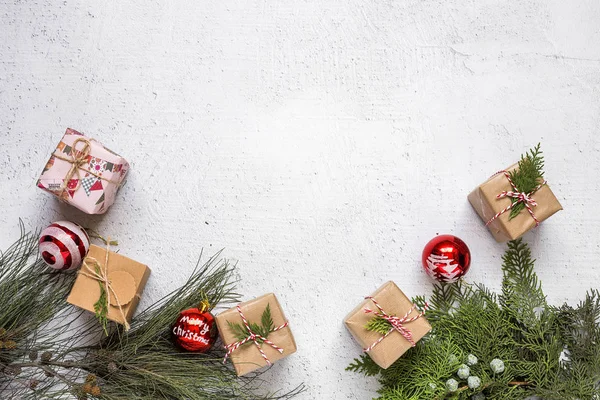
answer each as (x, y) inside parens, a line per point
(396, 322)
(78, 159)
(100, 274)
(521, 197)
(253, 337)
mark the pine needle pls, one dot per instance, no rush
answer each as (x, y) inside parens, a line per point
(50, 350)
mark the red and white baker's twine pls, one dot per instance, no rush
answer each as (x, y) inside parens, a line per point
(253, 337)
(397, 322)
(521, 197)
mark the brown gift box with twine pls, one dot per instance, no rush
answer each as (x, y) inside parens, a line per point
(486, 203)
(251, 355)
(126, 281)
(386, 350)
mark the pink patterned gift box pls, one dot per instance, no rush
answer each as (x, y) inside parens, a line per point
(83, 173)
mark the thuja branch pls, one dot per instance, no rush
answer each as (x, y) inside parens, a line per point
(527, 176)
(508, 346)
(242, 332)
(481, 388)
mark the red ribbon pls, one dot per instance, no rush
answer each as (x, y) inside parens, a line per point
(521, 197)
(253, 337)
(396, 322)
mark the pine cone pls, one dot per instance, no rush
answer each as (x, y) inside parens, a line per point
(10, 370)
(112, 367)
(95, 391)
(33, 355)
(10, 344)
(87, 388)
(46, 356)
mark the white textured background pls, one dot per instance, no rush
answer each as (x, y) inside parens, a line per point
(322, 143)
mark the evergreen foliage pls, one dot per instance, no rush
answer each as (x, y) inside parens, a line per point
(528, 176)
(50, 350)
(241, 332)
(521, 345)
(379, 325)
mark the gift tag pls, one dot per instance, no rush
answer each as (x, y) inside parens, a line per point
(123, 285)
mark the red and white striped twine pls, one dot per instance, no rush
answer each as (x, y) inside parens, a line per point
(254, 337)
(521, 197)
(397, 322)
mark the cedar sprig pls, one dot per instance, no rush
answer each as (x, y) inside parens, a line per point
(101, 306)
(379, 325)
(527, 176)
(241, 332)
(383, 326)
(545, 352)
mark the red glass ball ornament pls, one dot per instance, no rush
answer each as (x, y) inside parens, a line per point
(446, 258)
(63, 245)
(195, 330)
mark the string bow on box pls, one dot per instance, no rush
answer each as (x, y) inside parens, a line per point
(78, 160)
(254, 337)
(99, 273)
(397, 323)
(518, 197)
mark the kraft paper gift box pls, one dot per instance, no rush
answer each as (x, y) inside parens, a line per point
(127, 279)
(83, 173)
(247, 357)
(394, 302)
(485, 202)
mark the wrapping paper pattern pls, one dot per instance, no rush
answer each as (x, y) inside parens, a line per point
(91, 193)
(394, 302)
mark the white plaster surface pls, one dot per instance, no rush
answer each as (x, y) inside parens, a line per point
(321, 143)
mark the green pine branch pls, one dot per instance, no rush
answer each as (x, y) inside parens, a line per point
(101, 306)
(31, 295)
(527, 176)
(364, 365)
(241, 332)
(515, 344)
(51, 350)
(383, 326)
(521, 291)
(379, 325)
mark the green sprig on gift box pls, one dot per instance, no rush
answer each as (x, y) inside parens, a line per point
(48, 351)
(527, 176)
(379, 325)
(514, 344)
(264, 329)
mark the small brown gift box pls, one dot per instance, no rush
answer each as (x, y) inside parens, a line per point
(127, 279)
(247, 357)
(484, 201)
(393, 302)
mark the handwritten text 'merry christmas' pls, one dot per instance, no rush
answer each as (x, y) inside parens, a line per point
(187, 334)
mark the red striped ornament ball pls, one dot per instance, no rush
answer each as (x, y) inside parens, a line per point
(64, 245)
